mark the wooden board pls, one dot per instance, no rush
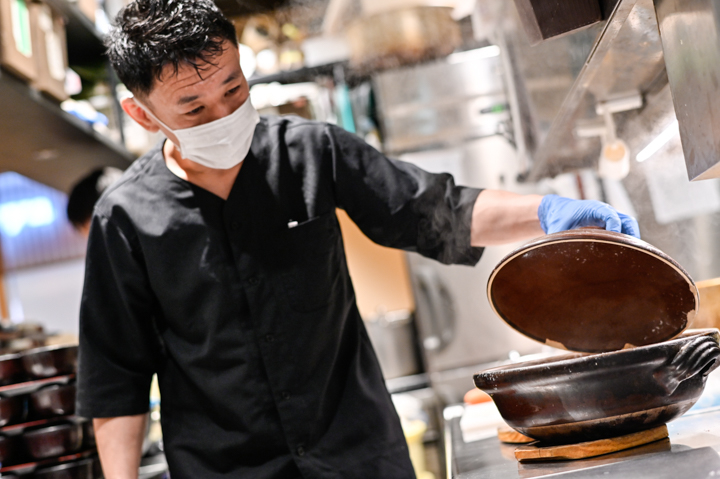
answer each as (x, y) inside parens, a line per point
(509, 435)
(589, 449)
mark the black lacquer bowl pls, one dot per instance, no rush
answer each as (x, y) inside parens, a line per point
(581, 397)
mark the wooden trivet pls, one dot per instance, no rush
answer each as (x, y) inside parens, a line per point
(591, 448)
(509, 435)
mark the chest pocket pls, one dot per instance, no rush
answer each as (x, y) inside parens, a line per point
(312, 275)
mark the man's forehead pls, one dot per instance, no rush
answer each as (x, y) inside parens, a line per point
(173, 80)
(187, 74)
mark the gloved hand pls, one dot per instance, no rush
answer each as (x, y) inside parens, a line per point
(559, 214)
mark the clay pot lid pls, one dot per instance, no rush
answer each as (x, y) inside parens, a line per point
(592, 290)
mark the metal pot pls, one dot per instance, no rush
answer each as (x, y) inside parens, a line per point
(393, 337)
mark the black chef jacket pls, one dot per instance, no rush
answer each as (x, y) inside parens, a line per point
(245, 308)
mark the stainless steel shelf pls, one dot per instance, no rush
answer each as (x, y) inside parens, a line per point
(43, 142)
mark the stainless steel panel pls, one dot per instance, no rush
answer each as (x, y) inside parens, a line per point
(458, 98)
(690, 39)
(464, 75)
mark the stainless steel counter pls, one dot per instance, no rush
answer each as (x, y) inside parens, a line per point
(691, 452)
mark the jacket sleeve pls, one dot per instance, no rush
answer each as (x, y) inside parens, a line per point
(118, 344)
(399, 205)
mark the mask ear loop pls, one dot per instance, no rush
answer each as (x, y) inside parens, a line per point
(146, 109)
(151, 114)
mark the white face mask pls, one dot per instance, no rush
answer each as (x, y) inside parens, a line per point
(220, 144)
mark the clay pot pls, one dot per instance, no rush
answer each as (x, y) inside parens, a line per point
(53, 400)
(50, 361)
(58, 440)
(11, 369)
(576, 397)
(10, 449)
(13, 409)
(88, 435)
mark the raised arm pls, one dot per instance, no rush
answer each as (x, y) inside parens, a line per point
(503, 217)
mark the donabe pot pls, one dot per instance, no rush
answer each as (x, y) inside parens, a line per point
(13, 409)
(10, 449)
(53, 400)
(50, 361)
(11, 369)
(52, 441)
(88, 435)
(579, 397)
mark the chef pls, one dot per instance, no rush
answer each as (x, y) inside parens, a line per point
(217, 262)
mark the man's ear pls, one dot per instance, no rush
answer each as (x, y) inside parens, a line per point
(137, 113)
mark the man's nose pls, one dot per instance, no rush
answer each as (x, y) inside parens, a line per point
(221, 110)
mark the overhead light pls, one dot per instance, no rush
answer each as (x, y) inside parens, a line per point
(659, 141)
(477, 54)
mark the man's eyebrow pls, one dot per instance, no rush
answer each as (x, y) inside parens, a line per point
(191, 98)
(233, 76)
(187, 99)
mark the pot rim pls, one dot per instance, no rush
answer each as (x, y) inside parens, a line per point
(52, 429)
(68, 465)
(47, 349)
(549, 364)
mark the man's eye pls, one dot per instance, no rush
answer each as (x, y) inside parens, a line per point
(233, 90)
(195, 111)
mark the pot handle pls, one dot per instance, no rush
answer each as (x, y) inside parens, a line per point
(697, 356)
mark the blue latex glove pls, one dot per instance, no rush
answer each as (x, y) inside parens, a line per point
(559, 214)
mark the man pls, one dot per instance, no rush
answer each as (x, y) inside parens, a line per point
(217, 262)
(85, 194)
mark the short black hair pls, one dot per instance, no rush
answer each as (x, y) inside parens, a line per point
(150, 34)
(86, 192)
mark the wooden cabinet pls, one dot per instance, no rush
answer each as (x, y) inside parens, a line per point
(379, 275)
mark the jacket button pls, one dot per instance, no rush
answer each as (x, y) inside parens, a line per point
(253, 281)
(300, 451)
(285, 395)
(269, 338)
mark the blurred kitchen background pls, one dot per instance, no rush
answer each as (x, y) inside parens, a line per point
(595, 103)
